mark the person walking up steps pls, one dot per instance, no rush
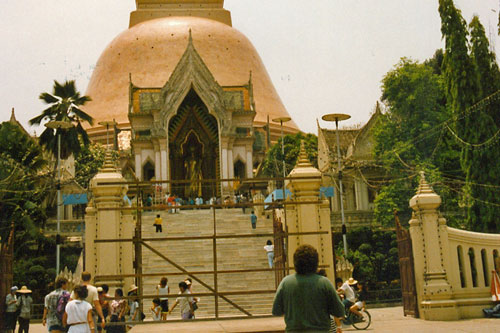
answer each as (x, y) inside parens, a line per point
(270, 252)
(253, 219)
(158, 222)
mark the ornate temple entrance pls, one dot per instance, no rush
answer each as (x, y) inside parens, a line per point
(194, 148)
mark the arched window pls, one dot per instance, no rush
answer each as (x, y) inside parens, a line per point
(486, 272)
(461, 266)
(148, 171)
(473, 270)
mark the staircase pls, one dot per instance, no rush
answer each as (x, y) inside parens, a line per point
(197, 255)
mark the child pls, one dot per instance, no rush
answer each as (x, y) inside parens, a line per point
(156, 309)
(161, 290)
(270, 252)
(157, 224)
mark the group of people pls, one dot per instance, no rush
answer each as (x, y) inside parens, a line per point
(188, 304)
(308, 300)
(18, 308)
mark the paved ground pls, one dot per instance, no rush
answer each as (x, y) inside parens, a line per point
(383, 320)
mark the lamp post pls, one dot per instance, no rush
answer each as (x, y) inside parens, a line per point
(107, 123)
(58, 126)
(336, 117)
(282, 120)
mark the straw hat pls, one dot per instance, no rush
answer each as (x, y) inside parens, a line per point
(133, 287)
(24, 290)
(352, 282)
(188, 282)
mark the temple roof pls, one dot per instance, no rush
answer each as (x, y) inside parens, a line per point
(150, 51)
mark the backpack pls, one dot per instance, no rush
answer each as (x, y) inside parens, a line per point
(62, 300)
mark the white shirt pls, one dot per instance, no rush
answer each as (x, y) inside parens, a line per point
(269, 248)
(162, 291)
(77, 312)
(157, 317)
(91, 297)
(348, 292)
(184, 302)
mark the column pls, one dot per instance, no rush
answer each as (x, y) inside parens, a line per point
(230, 162)
(429, 242)
(312, 217)
(164, 162)
(138, 165)
(249, 163)
(157, 163)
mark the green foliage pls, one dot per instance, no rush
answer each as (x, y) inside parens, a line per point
(273, 163)
(405, 137)
(22, 185)
(373, 253)
(88, 161)
(64, 105)
(470, 77)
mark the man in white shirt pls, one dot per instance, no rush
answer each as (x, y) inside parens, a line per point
(346, 289)
(92, 299)
(186, 302)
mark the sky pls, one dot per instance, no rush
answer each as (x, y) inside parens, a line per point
(323, 56)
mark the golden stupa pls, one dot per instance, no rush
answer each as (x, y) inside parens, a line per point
(152, 46)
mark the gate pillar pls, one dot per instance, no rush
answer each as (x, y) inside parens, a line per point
(104, 220)
(311, 217)
(431, 257)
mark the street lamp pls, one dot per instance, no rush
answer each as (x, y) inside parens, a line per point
(336, 117)
(282, 120)
(58, 126)
(107, 123)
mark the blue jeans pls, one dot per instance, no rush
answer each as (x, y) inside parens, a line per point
(270, 258)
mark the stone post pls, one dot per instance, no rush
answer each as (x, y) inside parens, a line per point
(108, 258)
(309, 217)
(431, 258)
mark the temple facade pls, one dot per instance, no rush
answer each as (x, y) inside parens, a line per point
(192, 128)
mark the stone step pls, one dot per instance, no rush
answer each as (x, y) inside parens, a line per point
(197, 255)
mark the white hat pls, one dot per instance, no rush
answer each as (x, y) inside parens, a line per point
(351, 282)
(133, 287)
(14, 288)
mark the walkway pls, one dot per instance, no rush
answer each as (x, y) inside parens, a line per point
(383, 320)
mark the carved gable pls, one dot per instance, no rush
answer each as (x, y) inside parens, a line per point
(191, 72)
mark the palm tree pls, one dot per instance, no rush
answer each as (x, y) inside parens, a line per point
(64, 105)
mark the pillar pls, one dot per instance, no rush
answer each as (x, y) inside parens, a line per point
(157, 162)
(164, 161)
(311, 217)
(249, 163)
(431, 258)
(112, 258)
(138, 164)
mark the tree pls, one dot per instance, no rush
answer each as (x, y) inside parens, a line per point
(88, 161)
(64, 105)
(23, 185)
(468, 77)
(273, 163)
(408, 138)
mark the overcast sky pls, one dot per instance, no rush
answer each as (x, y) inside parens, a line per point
(323, 56)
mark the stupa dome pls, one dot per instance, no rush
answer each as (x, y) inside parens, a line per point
(149, 51)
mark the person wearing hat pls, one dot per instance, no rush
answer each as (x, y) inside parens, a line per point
(348, 292)
(10, 311)
(24, 302)
(133, 304)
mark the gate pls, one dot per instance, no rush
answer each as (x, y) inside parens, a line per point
(279, 249)
(406, 269)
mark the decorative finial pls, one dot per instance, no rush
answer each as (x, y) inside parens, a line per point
(12, 116)
(423, 186)
(302, 160)
(109, 164)
(190, 37)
